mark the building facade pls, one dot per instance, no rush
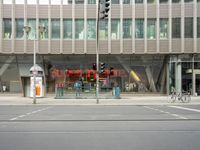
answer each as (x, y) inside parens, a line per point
(147, 46)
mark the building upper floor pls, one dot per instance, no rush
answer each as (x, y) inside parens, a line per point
(70, 27)
(90, 2)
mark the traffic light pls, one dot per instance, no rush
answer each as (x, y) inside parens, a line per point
(94, 67)
(104, 8)
(102, 67)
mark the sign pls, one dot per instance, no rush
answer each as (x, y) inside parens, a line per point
(38, 87)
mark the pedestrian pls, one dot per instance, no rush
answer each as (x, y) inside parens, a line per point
(4, 88)
(77, 86)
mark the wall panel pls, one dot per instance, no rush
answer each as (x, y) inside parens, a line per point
(127, 46)
(67, 46)
(91, 47)
(139, 46)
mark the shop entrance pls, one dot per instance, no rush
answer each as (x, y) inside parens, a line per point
(76, 83)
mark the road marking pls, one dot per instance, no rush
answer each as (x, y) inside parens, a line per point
(166, 112)
(185, 108)
(29, 113)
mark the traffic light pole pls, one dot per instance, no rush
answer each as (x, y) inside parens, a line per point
(97, 53)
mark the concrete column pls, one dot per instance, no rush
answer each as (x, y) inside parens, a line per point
(49, 20)
(168, 79)
(145, 26)
(178, 74)
(193, 78)
(1, 22)
(133, 26)
(150, 78)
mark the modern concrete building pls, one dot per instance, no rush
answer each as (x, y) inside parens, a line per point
(147, 45)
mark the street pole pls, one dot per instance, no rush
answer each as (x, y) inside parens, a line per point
(97, 53)
(34, 72)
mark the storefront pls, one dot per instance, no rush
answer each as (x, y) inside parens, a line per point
(132, 73)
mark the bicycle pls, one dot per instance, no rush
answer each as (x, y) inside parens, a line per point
(185, 97)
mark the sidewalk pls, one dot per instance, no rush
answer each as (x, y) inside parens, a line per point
(126, 99)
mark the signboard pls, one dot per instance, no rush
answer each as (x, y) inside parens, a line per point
(38, 87)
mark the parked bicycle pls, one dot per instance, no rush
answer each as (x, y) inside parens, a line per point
(184, 96)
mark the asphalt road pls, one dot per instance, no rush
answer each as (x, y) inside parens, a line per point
(100, 127)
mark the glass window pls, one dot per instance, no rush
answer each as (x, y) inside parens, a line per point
(44, 2)
(163, 28)
(31, 23)
(79, 28)
(19, 28)
(163, 1)
(31, 2)
(127, 28)
(79, 1)
(19, 1)
(151, 1)
(176, 1)
(188, 1)
(91, 1)
(115, 29)
(103, 29)
(115, 1)
(55, 2)
(66, 2)
(67, 27)
(151, 28)
(7, 1)
(126, 1)
(55, 28)
(176, 27)
(138, 1)
(198, 27)
(198, 1)
(91, 29)
(7, 28)
(45, 33)
(139, 28)
(188, 27)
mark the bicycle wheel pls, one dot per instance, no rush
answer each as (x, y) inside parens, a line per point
(171, 98)
(186, 98)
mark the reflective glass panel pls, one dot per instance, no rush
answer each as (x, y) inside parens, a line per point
(44, 34)
(31, 2)
(7, 28)
(55, 28)
(139, 28)
(7, 1)
(163, 28)
(151, 28)
(198, 27)
(176, 27)
(188, 27)
(19, 28)
(91, 29)
(103, 29)
(67, 27)
(127, 28)
(79, 29)
(115, 29)
(91, 1)
(19, 1)
(32, 24)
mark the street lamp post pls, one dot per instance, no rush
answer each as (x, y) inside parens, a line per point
(27, 29)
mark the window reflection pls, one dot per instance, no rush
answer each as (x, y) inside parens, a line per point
(55, 28)
(7, 28)
(19, 28)
(45, 33)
